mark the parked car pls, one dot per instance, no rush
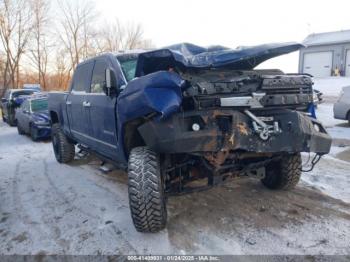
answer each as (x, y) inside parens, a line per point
(12, 99)
(185, 113)
(341, 108)
(33, 118)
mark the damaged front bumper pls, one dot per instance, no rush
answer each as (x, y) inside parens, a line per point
(233, 130)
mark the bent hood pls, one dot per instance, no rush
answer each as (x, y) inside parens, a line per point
(188, 56)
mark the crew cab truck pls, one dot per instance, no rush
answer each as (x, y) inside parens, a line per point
(186, 118)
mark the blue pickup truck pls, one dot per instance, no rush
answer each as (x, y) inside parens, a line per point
(185, 118)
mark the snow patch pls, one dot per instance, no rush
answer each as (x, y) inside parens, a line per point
(331, 86)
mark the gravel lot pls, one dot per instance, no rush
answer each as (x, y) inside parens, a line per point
(49, 208)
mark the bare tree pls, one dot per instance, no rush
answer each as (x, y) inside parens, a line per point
(61, 71)
(15, 32)
(117, 36)
(39, 50)
(26, 40)
(133, 37)
(76, 24)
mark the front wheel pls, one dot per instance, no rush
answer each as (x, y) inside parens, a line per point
(146, 190)
(33, 133)
(64, 150)
(283, 173)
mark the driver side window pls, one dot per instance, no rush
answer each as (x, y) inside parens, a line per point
(98, 76)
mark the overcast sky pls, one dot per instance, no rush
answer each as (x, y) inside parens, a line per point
(231, 23)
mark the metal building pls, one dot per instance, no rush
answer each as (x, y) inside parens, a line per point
(326, 54)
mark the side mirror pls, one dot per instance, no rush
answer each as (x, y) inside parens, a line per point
(111, 83)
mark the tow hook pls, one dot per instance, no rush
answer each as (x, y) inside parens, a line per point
(261, 128)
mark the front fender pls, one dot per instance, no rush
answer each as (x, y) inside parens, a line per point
(158, 92)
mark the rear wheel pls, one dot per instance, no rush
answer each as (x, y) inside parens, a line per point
(348, 118)
(64, 150)
(284, 173)
(146, 190)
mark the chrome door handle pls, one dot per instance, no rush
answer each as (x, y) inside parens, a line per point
(68, 103)
(86, 104)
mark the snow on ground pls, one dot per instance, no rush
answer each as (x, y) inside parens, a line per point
(331, 86)
(324, 112)
(51, 208)
(336, 128)
(332, 174)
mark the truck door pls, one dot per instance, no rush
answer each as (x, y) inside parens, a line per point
(77, 107)
(102, 111)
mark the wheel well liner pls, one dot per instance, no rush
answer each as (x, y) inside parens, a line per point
(132, 137)
(54, 117)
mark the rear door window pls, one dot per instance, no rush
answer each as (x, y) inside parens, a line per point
(82, 77)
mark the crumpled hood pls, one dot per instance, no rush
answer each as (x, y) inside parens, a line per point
(186, 56)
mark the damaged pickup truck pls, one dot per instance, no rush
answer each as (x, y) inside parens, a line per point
(186, 118)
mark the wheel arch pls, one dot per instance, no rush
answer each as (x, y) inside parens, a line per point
(132, 137)
(54, 117)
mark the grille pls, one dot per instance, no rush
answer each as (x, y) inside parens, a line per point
(287, 85)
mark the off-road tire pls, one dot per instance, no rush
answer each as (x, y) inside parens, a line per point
(64, 150)
(283, 173)
(20, 130)
(146, 191)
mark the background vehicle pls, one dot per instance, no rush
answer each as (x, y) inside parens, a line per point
(33, 118)
(341, 108)
(191, 114)
(12, 100)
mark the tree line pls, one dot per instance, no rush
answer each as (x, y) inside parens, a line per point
(41, 44)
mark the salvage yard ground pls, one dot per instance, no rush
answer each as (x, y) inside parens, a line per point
(48, 208)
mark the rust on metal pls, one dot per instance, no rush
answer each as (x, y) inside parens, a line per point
(217, 159)
(242, 128)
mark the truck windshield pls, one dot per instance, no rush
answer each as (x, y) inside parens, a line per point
(129, 67)
(39, 105)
